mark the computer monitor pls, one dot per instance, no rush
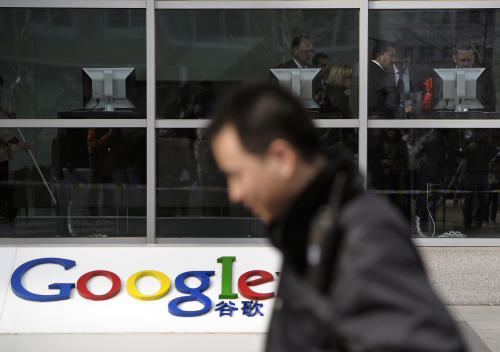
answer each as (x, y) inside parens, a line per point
(108, 88)
(299, 82)
(459, 88)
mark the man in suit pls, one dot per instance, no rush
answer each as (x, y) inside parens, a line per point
(351, 279)
(383, 97)
(302, 53)
(405, 80)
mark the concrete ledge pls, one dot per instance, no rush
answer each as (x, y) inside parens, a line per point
(464, 275)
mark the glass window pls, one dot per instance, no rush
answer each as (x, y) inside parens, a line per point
(192, 193)
(433, 64)
(44, 51)
(93, 182)
(203, 53)
(445, 181)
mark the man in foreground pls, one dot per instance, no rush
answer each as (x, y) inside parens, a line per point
(351, 278)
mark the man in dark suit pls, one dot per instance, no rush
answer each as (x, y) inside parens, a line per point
(383, 97)
(409, 80)
(302, 53)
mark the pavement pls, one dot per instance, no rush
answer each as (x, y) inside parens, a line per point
(480, 326)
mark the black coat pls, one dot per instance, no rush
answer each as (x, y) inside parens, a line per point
(338, 101)
(288, 64)
(378, 297)
(383, 97)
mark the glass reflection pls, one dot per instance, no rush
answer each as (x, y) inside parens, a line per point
(207, 52)
(445, 181)
(93, 182)
(192, 192)
(44, 51)
(433, 64)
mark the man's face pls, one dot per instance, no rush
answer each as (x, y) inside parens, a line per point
(324, 64)
(304, 53)
(402, 63)
(253, 180)
(464, 59)
(388, 58)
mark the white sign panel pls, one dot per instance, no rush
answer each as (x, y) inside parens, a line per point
(124, 313)
(6, 261)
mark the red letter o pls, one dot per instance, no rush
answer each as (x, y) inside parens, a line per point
(81, 285)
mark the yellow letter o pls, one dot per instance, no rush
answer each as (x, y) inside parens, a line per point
(134, 292)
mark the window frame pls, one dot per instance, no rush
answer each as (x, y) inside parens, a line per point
(152, 124)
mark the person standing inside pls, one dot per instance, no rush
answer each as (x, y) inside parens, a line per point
(383, 97)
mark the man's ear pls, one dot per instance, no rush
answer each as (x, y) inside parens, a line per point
(283, 156)
(454, 57)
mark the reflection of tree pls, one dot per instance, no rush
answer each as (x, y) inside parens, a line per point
(432, 33)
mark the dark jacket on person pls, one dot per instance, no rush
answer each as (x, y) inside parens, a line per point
(288, 64)
(375, 296)
(383, 97)
(338, 101)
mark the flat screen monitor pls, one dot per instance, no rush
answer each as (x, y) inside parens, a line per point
(299, 82)
(459, 88)
(108, 88)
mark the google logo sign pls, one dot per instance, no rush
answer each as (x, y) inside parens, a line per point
(245, 281)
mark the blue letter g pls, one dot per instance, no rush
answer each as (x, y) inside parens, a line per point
(20, 291)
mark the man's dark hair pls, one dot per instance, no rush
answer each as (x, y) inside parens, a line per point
(317, 57)
(403, 49)
(297, 40)
(465, 45)
(1, 81)
(380, 48)
(261, 113)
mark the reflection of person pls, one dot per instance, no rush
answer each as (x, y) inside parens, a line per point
(383, 98)
(70, 98)
(101, 154)
(23, 98)
(201, 104)
(494, 184)
(340, 81)
(351, 277)
(7, 140)
(477, 152)
(430, 160)
(302, 53)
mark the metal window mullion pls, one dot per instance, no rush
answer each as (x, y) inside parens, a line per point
(363, 90)
(336, 123)
(409, 5)
(182, 123)
(257, 4)
(457, 242)
(106, 4)
(423, 123)
(150, 122)
(72, 123)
